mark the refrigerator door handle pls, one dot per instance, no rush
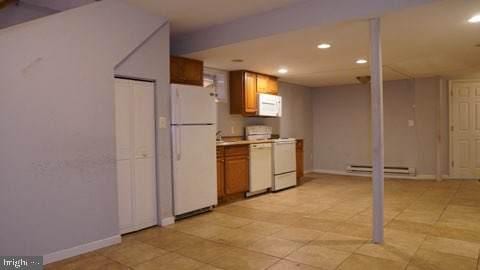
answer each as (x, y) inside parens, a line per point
(179, 143)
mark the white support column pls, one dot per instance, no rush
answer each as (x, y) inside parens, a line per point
(377, 128)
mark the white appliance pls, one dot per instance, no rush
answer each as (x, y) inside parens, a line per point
(254, 133)
(269, 105)
(284, 164)
(135, 144)
(260, 168)
(194, 148)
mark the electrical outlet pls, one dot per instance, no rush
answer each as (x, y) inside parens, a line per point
(233, 130)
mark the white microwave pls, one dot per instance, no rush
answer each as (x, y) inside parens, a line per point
(269, 105)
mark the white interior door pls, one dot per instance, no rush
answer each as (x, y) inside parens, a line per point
(135, 137)
(465, 129)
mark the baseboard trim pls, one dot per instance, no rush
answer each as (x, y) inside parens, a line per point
(417, 177)
(167, 221)
(81, 249)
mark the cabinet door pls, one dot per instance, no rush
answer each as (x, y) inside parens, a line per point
(299, 151)
(272, 86)
(250, 92)
(186, 71)
(262, 84)
(193, 72)
(236, 174)
(220, 177)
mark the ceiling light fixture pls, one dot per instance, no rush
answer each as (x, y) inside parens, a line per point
(474, 19)
(283, 71)
(361, 61)
(324, 46)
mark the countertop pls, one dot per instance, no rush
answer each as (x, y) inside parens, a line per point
(242, 142)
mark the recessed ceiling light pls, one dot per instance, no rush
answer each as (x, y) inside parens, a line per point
(474, 19)
(283, 71)
(324, 46)
(361, 61)
(237, 60)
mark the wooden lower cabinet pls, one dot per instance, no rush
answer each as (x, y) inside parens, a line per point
(236, 175)
(232, 170)
(220, 172)
(300, 162)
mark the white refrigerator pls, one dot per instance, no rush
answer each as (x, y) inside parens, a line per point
(194, 115)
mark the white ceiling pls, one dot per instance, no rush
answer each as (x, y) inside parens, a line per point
(191, 15)
(431, 40)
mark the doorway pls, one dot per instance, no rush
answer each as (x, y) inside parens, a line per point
(465, 129)
(135, 160)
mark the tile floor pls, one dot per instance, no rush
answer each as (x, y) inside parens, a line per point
(324, 224)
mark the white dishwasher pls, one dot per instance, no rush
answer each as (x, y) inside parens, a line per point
(260, 168)
(284, 164)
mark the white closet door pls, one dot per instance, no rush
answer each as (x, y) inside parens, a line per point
(135, 137)
(123, 133)
(145, 193)
(123, 118)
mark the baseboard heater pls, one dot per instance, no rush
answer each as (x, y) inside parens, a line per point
(387, 170)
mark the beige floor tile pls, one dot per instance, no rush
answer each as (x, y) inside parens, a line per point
(315, 224)
(203, 230)
(425, 259)
(204, 251)
(399, 246)
(209, 267)
(93, 262)
(428, 217)
(318, 256)
(167, 239)
(297, 234)
(289, 265)
(131, 253)
(355, 230)
(263, 228)
(237, 238)
(455, 233)
(408, 226)
(275, 246)
(339, 242)
(239, 259)
(451, 246)
(361, 262)
(170, 261)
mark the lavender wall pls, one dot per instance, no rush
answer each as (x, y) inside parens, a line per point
(342, 126)
(57, 169)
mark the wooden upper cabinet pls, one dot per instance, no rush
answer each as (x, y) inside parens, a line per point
(244, 87)
(250, 95)
(272, 86)
(186, 71)
(262, 84)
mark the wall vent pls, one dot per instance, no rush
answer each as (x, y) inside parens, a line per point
(388, 170)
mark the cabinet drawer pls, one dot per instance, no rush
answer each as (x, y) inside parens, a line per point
(237, 150)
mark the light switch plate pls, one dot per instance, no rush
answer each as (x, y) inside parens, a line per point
(411, 123)
(162, 122)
